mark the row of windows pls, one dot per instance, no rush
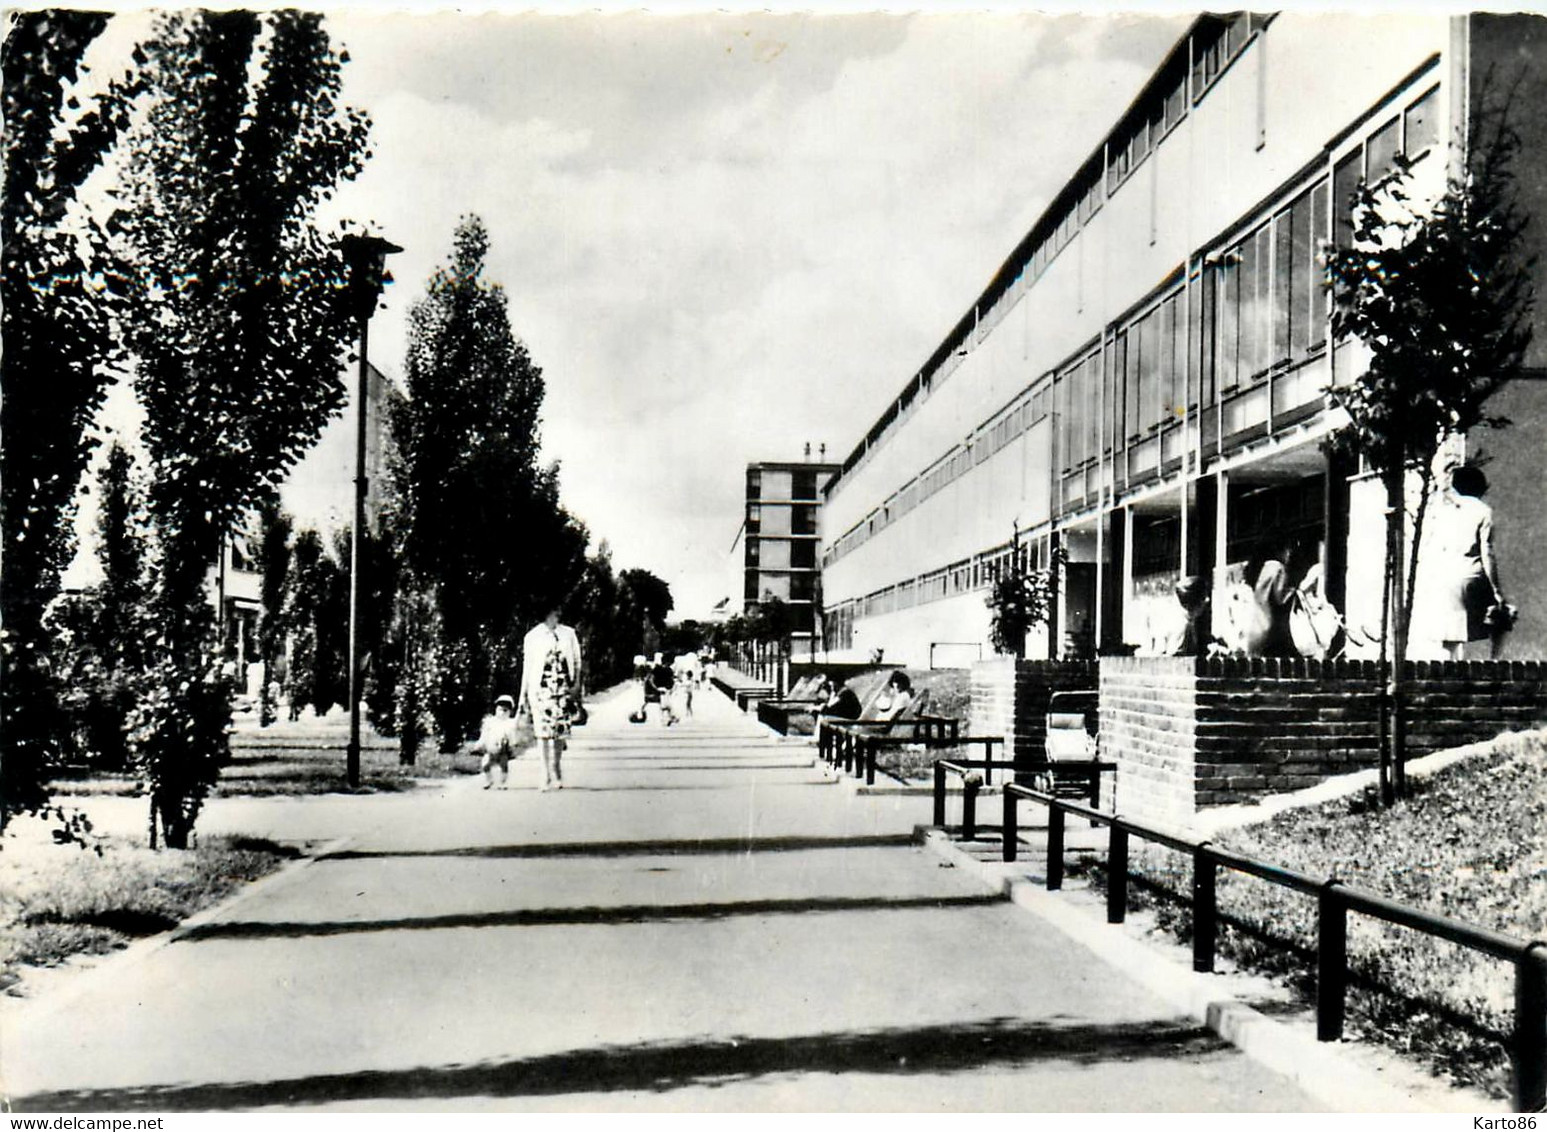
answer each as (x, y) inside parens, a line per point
(759, 584)
(801, 554)
(1255, 308)
(800, 483)
(976, 573)
(1214, 46)
(989, 439)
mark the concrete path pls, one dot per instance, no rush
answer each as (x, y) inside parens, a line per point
(697, 922)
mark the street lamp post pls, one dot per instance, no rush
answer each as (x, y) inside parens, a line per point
(366, 258)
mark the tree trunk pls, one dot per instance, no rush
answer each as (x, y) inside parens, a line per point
(1396, 560)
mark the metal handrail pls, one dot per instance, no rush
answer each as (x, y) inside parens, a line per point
(1335, 899)
(970, 788)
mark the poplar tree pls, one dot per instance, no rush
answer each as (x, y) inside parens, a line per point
(239, 323)
(481, 534)
(55, 366)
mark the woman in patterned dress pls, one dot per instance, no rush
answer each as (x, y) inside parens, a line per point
(550, 686)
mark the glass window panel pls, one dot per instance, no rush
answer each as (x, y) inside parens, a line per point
(1422, 123)
(1262, 311)
(1247, 337)
(1168, 379)
(1382, 151)
(1229, 322)
(1131, 381)
(1316, 312)
(1111, 379)
(1206, 308)
(1235, 35)
(1345, 181)
(1302, 277)
(1149, 370)
(1283, 274)
(1090, 390)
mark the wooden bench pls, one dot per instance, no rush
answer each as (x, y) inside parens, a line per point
(782, 714)
(854, 743)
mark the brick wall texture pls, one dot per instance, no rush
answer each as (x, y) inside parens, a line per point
(1009, 698)
(1188, 732)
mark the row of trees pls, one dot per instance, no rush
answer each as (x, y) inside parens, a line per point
(211, 281)
(209, 284)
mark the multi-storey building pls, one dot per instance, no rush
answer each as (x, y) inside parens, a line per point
(1142, 382)
(779, 537)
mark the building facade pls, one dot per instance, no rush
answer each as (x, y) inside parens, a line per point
(779, 537)
(1142, 384)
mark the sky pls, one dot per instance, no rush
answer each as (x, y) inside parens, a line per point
(723, 235)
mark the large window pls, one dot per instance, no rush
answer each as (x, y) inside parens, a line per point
(1412, 132)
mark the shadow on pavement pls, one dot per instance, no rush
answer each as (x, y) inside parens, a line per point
(634, 848)
(658, 1067)
(589, 914)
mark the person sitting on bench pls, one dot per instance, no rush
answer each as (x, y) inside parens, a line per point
(896, 698)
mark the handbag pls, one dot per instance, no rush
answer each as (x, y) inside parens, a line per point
(1313, 624)
(1501, 617)
(578, 716)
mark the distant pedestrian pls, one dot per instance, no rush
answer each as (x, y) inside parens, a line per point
(550, 687)
(662, 678)
(1463, 543)
(498, 741)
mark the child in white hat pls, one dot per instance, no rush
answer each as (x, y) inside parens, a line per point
(498, 740)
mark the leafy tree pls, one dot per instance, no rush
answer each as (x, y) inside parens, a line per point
(1021, 598)
(54, 369)
(594, 608)
(239, 320)
(98, 650)
(316, 612)
(1442, 298)
(274, 529)
(482, 537)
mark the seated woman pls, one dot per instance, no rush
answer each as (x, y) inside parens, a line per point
(838, 700)
(1268, 573)
(896, 698)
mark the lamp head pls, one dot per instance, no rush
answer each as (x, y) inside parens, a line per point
(366, 258)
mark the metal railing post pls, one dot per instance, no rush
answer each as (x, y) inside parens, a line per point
(969, 809)
(1055, 847)
(1117, 875)
(1530, 1045)
(1205, 910)
(1011, 827)
(869, 747)
(939, 796)
(1331, 962)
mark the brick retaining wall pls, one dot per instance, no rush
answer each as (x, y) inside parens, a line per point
(1189, 732)
(1009, 698)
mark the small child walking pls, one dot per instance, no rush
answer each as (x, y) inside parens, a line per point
(498, 740)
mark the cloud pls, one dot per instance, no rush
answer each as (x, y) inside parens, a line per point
(723, 235)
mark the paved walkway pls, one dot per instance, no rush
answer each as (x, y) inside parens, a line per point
(697, 922)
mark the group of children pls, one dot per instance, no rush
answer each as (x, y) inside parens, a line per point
(669, 684)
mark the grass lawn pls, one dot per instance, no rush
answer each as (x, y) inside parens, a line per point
(1469, 843)
(276, 769)
(62, 900)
